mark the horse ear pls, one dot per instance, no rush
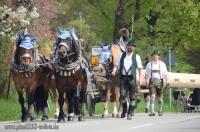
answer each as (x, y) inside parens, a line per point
(101, 44)
(21, 37)
(59, 31)
(34, 38)
(110, 46)
(72, 31)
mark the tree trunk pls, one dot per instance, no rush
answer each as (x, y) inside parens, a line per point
(119, 16)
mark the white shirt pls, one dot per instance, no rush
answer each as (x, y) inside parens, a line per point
(155, 66)
(128, 63)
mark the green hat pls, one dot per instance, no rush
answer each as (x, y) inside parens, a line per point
(125, 38)
(131, 42)
(156, 52)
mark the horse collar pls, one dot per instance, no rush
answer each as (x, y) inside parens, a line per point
(25, 71)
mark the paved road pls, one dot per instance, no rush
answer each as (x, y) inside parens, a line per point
(141, 122)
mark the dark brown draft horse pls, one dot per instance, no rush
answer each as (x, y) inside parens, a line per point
(70, 75)
(31, 71)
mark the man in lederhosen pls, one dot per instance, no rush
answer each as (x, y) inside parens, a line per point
(155, 72)
(127, 64)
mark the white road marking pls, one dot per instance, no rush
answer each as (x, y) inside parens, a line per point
(190, 117)
(141, 126)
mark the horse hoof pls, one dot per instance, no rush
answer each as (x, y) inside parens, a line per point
(28, 119)
(70, 118)
(65, 115)
(114, 115)
(45, 118)
(55, 116)
(118, 115)
(61, 120)
(104, 115)
(34, 118)
(81, 118)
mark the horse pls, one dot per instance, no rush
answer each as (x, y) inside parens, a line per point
(70, 74)
(31, 71)
(113, 83)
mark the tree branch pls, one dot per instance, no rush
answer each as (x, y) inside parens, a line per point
(98, 6)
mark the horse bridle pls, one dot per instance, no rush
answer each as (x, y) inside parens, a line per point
(68, 48)
(107, 64)
(25, 55)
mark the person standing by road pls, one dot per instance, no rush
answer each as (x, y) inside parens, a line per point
(155, 72)
(127, 63)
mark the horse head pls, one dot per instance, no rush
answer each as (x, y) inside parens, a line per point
(25, 49)
(66, 46)
(105, 57)
(105, 53)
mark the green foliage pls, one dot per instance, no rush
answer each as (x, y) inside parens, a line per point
(5, 59)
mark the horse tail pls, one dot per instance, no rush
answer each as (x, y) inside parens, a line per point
(8, 90)
(39, 98)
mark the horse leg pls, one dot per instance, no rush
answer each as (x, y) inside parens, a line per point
(61, 102)
(81, 107)
(35, 113)
(30, 108)
(65, 106)
(55, 99)
(70, 94)
(119, 102)
(30, 102)
(56, 106)
(45, 109)
(21, 101)
(113, 96)
(105, 113)
(77, 102)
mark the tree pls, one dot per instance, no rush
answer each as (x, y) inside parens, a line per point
(15, 15)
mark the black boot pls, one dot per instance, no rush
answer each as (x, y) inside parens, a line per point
(123, 114)
(130, 111)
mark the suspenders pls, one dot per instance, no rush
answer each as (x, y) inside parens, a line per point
(125, 69)
(155, 70)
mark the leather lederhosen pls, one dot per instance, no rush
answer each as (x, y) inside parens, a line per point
(155, 84)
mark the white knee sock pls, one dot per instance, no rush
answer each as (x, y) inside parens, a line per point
(147, 102)
(152, 106)
(160, 106)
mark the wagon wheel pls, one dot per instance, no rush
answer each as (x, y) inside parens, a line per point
(90, 105)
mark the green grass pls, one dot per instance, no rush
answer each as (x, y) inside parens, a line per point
(11, 110)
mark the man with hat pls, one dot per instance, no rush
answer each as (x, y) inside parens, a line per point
(127, 63)
(155, 72)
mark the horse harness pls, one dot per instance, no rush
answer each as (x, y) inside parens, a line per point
(66, 54)
(67, 70)
(27, 71)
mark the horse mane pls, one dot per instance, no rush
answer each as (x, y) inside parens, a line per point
(76, 47)
(116, 51)
(17, 50)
